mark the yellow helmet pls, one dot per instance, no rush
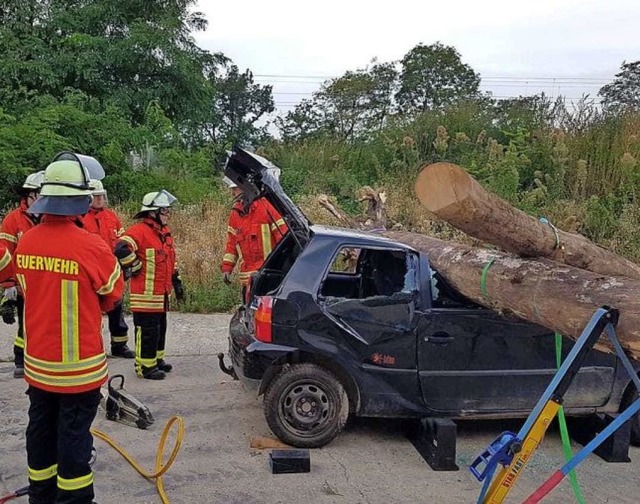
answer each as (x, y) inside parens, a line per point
(66, 188)
(66, 178)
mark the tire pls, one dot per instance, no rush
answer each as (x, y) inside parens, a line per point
(630, 395)
(306, 406)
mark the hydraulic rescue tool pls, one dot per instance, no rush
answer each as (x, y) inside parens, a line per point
(513, 451)
(122, 407)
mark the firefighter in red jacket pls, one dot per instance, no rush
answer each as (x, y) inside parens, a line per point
(147, 254)
(104, 222)
(68, 277)
(15, 224)
(251, 234)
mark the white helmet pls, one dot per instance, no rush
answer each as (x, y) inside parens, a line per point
(97, 189)
(33, 182)
(229, 183)
(155, 201)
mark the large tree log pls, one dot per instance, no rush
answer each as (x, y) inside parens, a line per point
(454, 196)
(559, 297)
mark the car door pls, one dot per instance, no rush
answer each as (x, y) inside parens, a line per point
(375, 305)
(473, 360)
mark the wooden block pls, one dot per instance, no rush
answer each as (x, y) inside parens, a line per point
(266, 443)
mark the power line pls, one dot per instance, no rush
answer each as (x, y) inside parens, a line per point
(506, 78)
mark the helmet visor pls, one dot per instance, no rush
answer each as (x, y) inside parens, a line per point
(164, 199)
(91, 168)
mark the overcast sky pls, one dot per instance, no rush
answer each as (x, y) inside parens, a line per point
(512, 44)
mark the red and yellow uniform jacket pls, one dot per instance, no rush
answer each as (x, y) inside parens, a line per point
(251, 236)
(6, 265)
(105, 223)
(147, 248)
(68, 277)
(15, 224)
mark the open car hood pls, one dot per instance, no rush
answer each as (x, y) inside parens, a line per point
(250, 172)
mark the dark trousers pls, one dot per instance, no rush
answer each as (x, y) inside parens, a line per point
(18, 343)
(59, 446)
(118, 328)
(151, 332)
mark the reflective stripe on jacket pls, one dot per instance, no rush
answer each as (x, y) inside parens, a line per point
(251, 237)
(104, 222)
(152, 258)
(68, 277)
(6, 264)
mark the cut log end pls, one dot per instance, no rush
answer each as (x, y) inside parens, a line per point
(440, 185)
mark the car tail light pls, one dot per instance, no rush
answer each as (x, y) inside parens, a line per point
(263, 319)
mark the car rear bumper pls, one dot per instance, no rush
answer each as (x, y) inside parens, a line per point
(251, 358)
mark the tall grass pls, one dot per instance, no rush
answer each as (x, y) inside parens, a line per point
(582, 175)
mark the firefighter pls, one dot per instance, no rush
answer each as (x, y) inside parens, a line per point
(68, 277)
(251, 234)
(14, 225)
(104, 222)
(147, 254)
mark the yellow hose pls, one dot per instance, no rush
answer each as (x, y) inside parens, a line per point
(161, 467)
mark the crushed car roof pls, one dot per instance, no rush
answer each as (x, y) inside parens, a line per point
(358, 237)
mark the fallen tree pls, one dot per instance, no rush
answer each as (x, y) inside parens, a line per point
(559, 297)
(450, 193)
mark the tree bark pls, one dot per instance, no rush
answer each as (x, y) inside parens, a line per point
(559, 297)
(453, 195)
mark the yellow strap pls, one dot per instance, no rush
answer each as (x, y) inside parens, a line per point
(505, 480)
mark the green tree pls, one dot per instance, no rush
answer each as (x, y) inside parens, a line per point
(352, 106)
(432, 77)
(123, 52)
(237, 107)
(624, 92)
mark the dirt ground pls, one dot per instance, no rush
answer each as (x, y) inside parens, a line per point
(371, 462)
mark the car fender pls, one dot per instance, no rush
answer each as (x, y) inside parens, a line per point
(299, 357)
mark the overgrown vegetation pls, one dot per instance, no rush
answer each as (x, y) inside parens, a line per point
(123, 80)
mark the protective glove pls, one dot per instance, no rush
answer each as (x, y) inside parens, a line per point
(226, 278)
(177, 286)
(11, 293)
(8, 311)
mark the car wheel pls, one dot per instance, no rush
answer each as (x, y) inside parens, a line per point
(306, 406)
(630, 395)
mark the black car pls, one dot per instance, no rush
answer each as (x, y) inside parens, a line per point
(341, 322)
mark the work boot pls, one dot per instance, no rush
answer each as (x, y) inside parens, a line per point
(164, 366)
(18, 372)
(154, 374)
(122, 350)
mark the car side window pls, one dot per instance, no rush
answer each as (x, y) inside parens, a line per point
(358, 273)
